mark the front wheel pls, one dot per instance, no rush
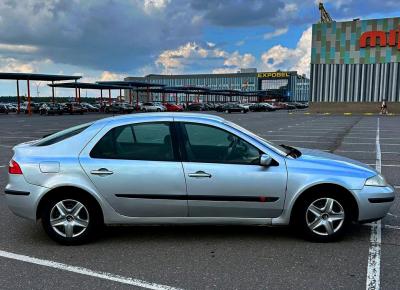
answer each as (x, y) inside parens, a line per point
(71, 219)
(323, 217)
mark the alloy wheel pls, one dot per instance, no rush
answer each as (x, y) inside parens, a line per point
(69, 218)
(325, 216)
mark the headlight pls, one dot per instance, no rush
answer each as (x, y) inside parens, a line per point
(377, 180)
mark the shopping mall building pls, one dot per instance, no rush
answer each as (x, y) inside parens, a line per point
(355, 65)
(285, 86)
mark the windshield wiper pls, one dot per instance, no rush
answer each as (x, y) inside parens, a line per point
(292, 151)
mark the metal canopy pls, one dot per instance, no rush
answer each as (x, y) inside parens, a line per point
(36, 77)
(190, 88)
(131, 84)
(89, 86)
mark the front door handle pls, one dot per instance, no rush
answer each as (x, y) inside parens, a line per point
(101, 171)
(199, 174)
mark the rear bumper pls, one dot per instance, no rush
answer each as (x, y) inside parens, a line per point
(374, 202)
(22, 198)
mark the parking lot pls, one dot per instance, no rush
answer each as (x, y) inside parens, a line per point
(213, 257)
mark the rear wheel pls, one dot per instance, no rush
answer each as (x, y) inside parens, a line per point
(71, 219)
(323, 217)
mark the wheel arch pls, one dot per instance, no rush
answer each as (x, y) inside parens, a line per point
(352, 201)
(63, 189)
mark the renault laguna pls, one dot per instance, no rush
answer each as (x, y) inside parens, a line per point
(178, 168)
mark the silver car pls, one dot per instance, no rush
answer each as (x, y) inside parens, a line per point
(186, 168)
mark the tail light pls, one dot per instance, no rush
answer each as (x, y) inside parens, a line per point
(14, 168)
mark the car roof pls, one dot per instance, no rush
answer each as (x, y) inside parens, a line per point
(146, 116)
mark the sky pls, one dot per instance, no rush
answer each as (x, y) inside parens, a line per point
(112, 39)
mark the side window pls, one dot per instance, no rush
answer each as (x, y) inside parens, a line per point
(213, 145)
(145, 141)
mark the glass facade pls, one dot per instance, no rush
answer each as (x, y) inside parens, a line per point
(282, 85)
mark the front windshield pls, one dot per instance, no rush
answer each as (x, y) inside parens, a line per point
(279, 149)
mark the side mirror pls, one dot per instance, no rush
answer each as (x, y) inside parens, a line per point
(265, 160)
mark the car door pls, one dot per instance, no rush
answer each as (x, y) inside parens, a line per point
(135, 167)
(224, 178)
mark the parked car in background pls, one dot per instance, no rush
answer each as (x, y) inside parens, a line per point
(196, 107)
(300, 105)
(73, 108)
(257, 107)
(153, 107)
(269, 107)
(246, 105)
(4, 109)
(235, 107)
(173, 108)
(35, 107)
(89, 107)
(51, 109)
(12, 108)
(119, 108)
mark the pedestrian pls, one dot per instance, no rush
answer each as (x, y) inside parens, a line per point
(384, 109)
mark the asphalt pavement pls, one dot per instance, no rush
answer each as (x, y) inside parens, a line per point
(211, 257)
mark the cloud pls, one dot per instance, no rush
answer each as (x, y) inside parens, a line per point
(14, 65)
(4, 47)
(204, 58)
(236, 13)
(239, 60)
(113, 35)
(284, 58)
(275, 33)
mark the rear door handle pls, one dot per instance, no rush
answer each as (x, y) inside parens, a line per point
(101, 171)
(200, 174)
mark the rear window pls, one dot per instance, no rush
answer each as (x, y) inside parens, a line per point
(62, 135)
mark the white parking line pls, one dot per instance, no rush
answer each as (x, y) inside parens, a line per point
(374, 254)
(1, 166)
(85, 271)
(386, 144)
(6, 146)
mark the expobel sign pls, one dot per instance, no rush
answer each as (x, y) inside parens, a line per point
(273, 75)
(381, 37)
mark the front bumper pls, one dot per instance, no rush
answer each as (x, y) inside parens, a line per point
(23, 198)
(374, 202)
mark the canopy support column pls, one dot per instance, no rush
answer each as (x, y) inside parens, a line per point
(109, 96)
(52, 92)
(137, 99)
(18, 98)
(29, 98)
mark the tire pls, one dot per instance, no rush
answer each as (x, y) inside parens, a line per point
(328, 225)
(158, 110)
(242, 111)
(227, 111)
(88, 216)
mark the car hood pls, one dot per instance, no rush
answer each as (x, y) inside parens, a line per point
(328, 159)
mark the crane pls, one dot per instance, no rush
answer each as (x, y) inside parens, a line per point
(325, 17)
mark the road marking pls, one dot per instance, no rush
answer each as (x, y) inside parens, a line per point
(85, 271)
(386, 144)
(6, 146)
(384, 226)
(374, 253)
